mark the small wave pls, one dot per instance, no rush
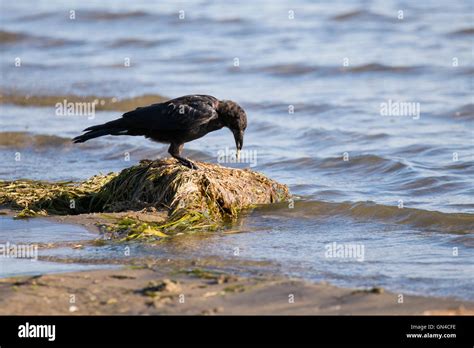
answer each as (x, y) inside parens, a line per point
(462, 113)
(102, 103)
(106, 15)
(312, 109)
(465, 112)
(242, 23)
(458, 223)
(316, 136)
(460, 166)
(28, 140)
(442, 187)
(7, 37)
(462, 32)
(37, 16)
(269, 127)
(376, 67)
(297, 69)
(296, 163)
(369, 164)
(414, 149)
(423, 183)
(366, 164)
(467, 71)
(231, 20)
(289, 69)
(451, 222)
(206, 59)
(362, 15)
(133, 42)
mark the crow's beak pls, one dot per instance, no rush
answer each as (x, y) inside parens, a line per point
(239, 141)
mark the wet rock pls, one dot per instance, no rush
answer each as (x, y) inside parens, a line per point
(156, 288)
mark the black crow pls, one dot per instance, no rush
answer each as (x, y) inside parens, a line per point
(176, 122)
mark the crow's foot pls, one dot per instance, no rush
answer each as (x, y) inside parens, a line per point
(187, 163)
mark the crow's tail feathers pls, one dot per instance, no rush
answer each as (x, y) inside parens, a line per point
(90, 135)
(116, 127)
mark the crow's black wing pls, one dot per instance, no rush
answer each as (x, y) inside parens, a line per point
(177, 114)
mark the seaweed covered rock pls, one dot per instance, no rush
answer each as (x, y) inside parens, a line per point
(59, 198)
(192, 198)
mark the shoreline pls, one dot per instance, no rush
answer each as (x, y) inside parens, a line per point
(205, 286)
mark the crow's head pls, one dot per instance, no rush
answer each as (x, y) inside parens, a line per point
(234, 118)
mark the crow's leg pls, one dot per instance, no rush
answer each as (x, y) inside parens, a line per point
(175, 151)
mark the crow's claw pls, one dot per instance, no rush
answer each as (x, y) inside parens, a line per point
(188, 163)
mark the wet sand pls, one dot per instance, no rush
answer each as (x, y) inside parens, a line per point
(100, 103)
(204, 286)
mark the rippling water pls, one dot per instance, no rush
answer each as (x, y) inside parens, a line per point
(313, 86)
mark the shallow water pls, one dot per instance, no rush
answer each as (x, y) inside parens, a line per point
(421, 162)
(23, 239)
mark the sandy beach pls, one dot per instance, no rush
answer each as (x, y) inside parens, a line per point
(206, 286)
